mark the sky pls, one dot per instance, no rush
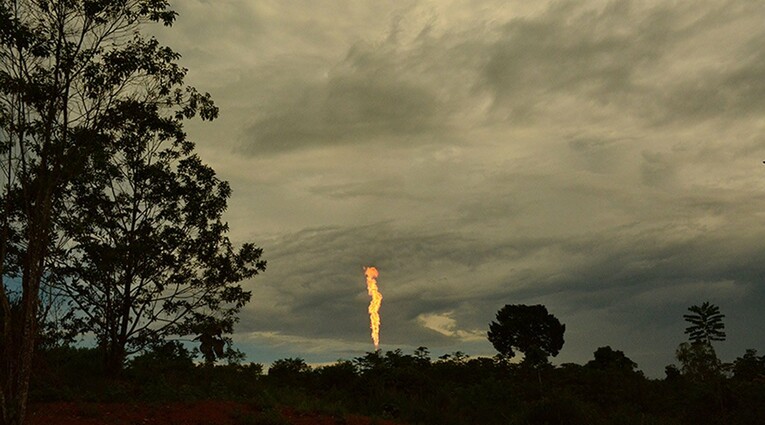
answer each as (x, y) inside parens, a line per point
(603, 158)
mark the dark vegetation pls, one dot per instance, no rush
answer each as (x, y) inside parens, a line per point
(417, 389)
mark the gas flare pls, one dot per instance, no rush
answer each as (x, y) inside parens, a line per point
(374, 305)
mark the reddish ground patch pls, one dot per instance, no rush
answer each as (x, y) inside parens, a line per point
(196, 413)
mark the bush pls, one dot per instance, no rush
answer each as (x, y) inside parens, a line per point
(72, 374)
(290, 371)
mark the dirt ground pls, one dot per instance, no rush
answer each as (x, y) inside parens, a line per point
(196, 413)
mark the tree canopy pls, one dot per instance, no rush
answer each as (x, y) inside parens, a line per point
(528, 329)
(147, 253)
(609, 359)
(706, 323)
(698, 361)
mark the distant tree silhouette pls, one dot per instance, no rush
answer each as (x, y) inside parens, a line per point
(749, 367)
(422, 354)
(698, 361)
(706, 323)
(289, 371)
(671, 372)
(528, 329)
(607, 358)
(457, 357)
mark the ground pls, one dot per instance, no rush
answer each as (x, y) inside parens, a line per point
(196, 413)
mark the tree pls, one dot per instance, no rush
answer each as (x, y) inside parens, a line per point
(289, 371)
(529, 329)
(69, 70)
(698, 361)
(671, 372)
(706, 323)
(609, 359)
(147, 255)
(336, 376)
(750, 367)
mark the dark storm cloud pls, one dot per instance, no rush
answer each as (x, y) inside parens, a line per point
(364, 97)
(626, 58)
(633, 57)
(567, 50)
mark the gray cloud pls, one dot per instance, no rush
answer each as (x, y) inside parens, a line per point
(569, 50)
(733, 91)
(601, 158)
(364, 97)
(633, 57)
(641, 280)
(625, 58)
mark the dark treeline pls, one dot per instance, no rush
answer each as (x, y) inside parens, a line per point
(416, 389)
(451, 389)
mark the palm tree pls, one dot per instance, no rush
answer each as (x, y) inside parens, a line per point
(706, 324)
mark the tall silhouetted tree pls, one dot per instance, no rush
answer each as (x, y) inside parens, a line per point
(529, 329)
(148, 254)
(69, 71)
(706, 323)
(698, 359)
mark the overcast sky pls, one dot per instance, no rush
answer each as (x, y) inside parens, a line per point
(603, 158)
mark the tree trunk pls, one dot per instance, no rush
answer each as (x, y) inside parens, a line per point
(114, 360)
(19, 340)
(19, 363)
(21, 337)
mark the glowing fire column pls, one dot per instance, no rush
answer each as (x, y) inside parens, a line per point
(374, 304)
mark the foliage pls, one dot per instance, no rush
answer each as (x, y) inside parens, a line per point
(288, 371)
(147, 254)
(609, 359)
(706, 323)
(69, 70)
(671, 372)
(750, 367)
(529, 329)
(337, 375)
(407, 388)
(167, 356)
(698, 361)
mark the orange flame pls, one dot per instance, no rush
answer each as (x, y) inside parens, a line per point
(374, 305)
